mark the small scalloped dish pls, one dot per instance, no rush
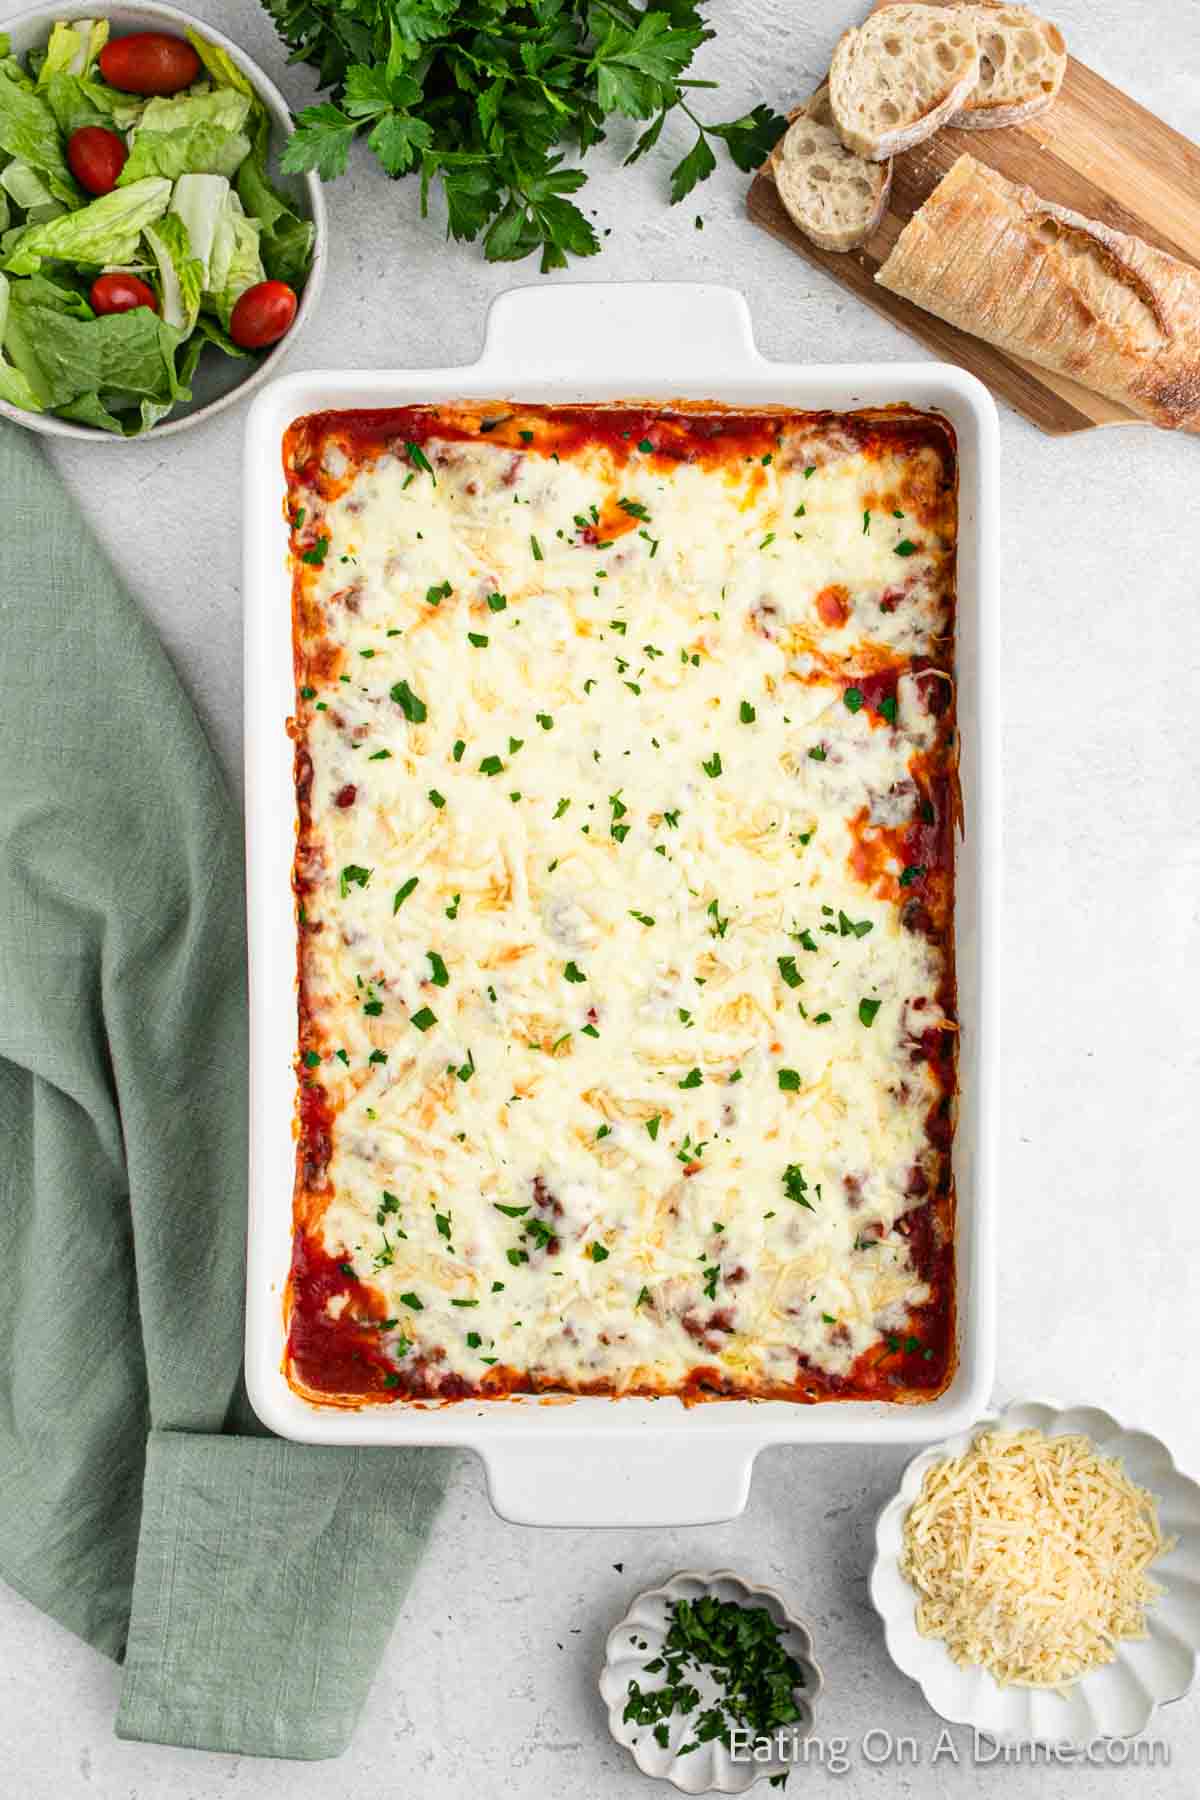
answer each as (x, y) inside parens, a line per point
(1116, 1700)
(641, 1636)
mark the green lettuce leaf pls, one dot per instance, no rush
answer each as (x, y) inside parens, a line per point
(90, 409)
(76, 100)
(236, 259)
(199, 200)
(104, 232)
(73, 48)
(192, 134)
(180, 274)
(25, 187)
(13, 385)
(221, 67)
(29, 131)
(287, 239)
(64, 357)
(209, 332)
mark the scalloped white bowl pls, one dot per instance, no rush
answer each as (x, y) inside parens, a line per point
(711, 1767)
(1117, 1700)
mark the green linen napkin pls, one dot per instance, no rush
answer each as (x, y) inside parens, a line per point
(248, 1585)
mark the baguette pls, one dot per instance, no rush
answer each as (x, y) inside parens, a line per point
(1064, 291)
(835, 197)
(1022, 61)
(897, 79)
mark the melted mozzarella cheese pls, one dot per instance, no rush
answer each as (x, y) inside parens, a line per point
(618, 1044)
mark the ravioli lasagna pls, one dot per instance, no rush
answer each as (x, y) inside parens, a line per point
(625, 772)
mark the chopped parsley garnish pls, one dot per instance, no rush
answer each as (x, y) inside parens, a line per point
(853, 699)
(478, 638)
(536, 548)
(887, 708)
(412, 1300)
(491, 765)
(419, 460)
(440, 976)
(641, 917)
(652, 1126)
(352, 875)
(316, 553)
(646, 447)
(459, 747)
(866, 523)
(789, 971)
(545, 721)
(573, 972)
(402, 893)
(906, 547)
(496, 602)
(598, 1253)
(795, 1187)
(746, 713)
(789, 1080)
(817, 753)
(913, 872)
(312, 1059)
(435, 595)
(854, 927)
(561, 808)
(741, 1648)
(712, 767)
(692, 1079)
(414, 709)
(867, 1010)
(436, 799)
(635, 509)
(423, 1019)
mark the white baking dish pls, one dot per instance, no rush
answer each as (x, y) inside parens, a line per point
(598, 1461)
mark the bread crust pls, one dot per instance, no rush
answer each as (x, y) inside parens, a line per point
(816, 112)
(983, 112)
(1065, 291)
(849, 70)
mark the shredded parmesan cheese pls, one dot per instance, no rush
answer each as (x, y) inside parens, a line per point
(1029, 1555)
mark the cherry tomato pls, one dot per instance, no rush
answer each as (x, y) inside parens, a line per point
(149, 62)
(262, 315)
(121, 293)
(96, 157)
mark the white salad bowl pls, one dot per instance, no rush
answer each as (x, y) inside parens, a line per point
(219, 380)
(639, 1639)
(1115, 1701)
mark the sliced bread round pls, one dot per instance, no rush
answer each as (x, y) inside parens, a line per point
(897, 79)
(1022, 61)
(835, 197)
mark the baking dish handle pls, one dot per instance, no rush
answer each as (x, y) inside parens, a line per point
(646, 329)
(619, 1481)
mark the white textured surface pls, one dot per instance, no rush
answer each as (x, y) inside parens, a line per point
(1099, 1230)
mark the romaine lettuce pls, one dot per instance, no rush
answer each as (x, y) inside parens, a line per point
(191, 134)
(13, 386)
(180, 274)
(64, 357)
(25, 187)
(102, 233)
(73, 48)
(221, 67)
(199, 200)
(287, 239)
(29, 131)
(236, 263)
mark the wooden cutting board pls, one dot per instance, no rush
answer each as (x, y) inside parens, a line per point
(1095, 150)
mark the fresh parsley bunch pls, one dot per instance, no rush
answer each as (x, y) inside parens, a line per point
(487, 95)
